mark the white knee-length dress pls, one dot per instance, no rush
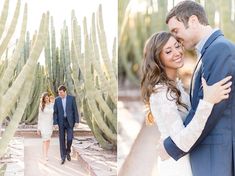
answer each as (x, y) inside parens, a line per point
(45, 121)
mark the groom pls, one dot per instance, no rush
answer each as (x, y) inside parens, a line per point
(214, 152)
(65, 115)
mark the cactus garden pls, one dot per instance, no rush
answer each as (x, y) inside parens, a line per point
(80, 60)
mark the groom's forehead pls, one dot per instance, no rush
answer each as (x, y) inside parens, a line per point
(174, 23)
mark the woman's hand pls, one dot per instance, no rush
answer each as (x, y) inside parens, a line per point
(218, 91)
(161, 151)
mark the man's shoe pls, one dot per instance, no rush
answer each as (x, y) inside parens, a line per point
(68, 157)
(62, 161)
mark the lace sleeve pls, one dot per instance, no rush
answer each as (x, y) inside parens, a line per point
(169, 121)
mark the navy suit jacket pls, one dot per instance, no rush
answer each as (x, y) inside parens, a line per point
(71, 111)
(213, 152)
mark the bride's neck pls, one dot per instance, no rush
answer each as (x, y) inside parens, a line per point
(172, 74)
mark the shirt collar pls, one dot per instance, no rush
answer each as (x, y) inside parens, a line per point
(64, 97)
(202, 42)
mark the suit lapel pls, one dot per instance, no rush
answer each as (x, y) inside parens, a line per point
(210, 40)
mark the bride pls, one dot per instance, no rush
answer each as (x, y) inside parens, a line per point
(168, 103)
(45, 122)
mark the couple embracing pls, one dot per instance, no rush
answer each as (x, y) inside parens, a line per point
(197, 130)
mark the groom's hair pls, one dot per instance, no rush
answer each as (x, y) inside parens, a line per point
(62, 87)
(185, 9)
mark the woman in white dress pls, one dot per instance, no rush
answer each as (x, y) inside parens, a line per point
(45, 122)
(168, 103)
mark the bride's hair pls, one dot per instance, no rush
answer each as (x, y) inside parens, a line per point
(153, 72)
(43, 102)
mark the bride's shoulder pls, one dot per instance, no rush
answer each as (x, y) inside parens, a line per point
(159, 91)
(160, 87)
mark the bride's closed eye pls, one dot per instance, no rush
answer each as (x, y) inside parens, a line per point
(168, 51)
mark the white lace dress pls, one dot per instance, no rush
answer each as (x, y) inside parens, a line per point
(169, 118)
(45, 121)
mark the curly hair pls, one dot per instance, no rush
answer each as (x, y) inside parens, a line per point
(153, 72)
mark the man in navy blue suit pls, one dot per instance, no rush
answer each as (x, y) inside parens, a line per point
(65, 116)
(213, 154)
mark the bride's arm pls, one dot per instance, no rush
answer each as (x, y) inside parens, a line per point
(169, 122)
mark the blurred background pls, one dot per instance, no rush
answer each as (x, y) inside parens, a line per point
(137, 21)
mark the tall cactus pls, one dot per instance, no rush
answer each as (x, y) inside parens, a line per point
(11, 30)
(52, 61)
(15, 89)
(99, 104)
(38, 86)
(67, 60)
(58, 65)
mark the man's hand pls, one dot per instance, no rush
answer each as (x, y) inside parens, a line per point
(161, 151)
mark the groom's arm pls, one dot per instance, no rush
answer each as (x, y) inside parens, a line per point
(55, 113)
(217, 66)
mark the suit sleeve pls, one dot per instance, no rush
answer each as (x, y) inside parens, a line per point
(55, 114)
(217, 66)
(75, 111)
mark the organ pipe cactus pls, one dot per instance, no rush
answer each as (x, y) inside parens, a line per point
(67, 60)
(99, 104)
(16, 89)
(39, 86)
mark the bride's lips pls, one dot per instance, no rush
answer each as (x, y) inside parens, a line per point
(179, 59)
